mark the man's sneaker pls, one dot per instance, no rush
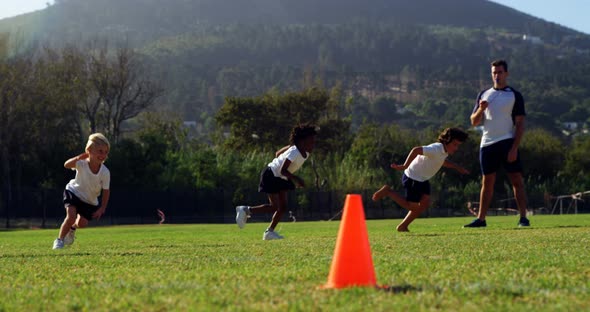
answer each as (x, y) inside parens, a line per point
(70, 237)
(524, 222)
(58, 244)
(270, 235)
(242, 215)
(476, 223)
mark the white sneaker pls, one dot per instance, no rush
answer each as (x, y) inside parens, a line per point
(58, 244)
(70, 237)
(242, 215)
(270, 235)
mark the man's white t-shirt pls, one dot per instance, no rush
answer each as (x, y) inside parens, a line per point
(498, 120)
(87, 185)
(292, 154)
(425, 166)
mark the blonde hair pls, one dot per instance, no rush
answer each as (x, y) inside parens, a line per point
(97, 139)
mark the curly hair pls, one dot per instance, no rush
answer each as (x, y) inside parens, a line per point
(301, 132)
(450, 134)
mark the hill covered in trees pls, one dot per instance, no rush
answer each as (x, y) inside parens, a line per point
(416, 63)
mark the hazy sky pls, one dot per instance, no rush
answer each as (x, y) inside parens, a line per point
(570, 13)
(10, 8)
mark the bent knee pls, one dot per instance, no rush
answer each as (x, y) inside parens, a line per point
(81, 222)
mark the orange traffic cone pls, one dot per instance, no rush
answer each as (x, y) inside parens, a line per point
(352, 264)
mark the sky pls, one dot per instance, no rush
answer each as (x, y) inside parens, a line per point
(569, 13)
(9, 8)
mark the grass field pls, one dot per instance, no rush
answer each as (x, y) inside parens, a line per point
(438, 266)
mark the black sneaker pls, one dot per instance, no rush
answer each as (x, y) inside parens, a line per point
(476, 223)
(524, 222)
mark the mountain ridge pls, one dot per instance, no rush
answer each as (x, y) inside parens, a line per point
(422, 53)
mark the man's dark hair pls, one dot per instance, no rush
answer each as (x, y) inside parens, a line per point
(502, 63)
(450, 134)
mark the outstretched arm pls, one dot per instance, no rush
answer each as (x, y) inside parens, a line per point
(71, 163)
(452, 165)
(418, 150)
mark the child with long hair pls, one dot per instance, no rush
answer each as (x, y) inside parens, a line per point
(423, 163)
(278, 178)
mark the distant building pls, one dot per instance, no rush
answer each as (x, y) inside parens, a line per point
(532, 39)
(570, 125)
(190, 124)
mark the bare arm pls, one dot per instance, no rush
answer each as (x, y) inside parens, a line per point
(477, 116)
(518, 133)
(418, 150)
(103, 205)
(452, 165)
(282, 150)
(71, 163)
(297, 180)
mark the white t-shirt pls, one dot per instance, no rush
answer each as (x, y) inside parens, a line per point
(87, 185)
(498, 120)
(425, 166)
(292, 154)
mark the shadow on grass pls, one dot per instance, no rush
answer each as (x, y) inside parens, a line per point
(73, 254)
(399, 289)
(427, 234)
(530, 228)
(56, 254)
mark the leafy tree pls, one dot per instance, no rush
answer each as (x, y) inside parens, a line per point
(542, 154)
(265, 122)
(577, 163)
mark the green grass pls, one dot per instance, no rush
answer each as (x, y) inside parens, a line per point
(439, 265)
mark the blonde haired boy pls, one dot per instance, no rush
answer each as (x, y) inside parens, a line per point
(81, 194)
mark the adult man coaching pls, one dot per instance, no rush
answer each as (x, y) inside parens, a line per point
(500, 110)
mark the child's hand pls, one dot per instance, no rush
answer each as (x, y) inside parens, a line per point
(397, 167)
(298, 182)
(97, 214)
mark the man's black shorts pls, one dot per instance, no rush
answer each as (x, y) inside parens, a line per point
(82, 208)
(492, 157)
(415, 189)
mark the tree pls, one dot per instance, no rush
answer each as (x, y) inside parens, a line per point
(265, 122)
(542, 153)
(577, 163)
(120, 90)
(35, 120)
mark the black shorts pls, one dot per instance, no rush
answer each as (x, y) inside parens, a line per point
(492, 157)
(82, 208)
(415, 189)
(271, 184)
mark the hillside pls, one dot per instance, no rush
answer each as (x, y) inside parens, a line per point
(414, 62)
